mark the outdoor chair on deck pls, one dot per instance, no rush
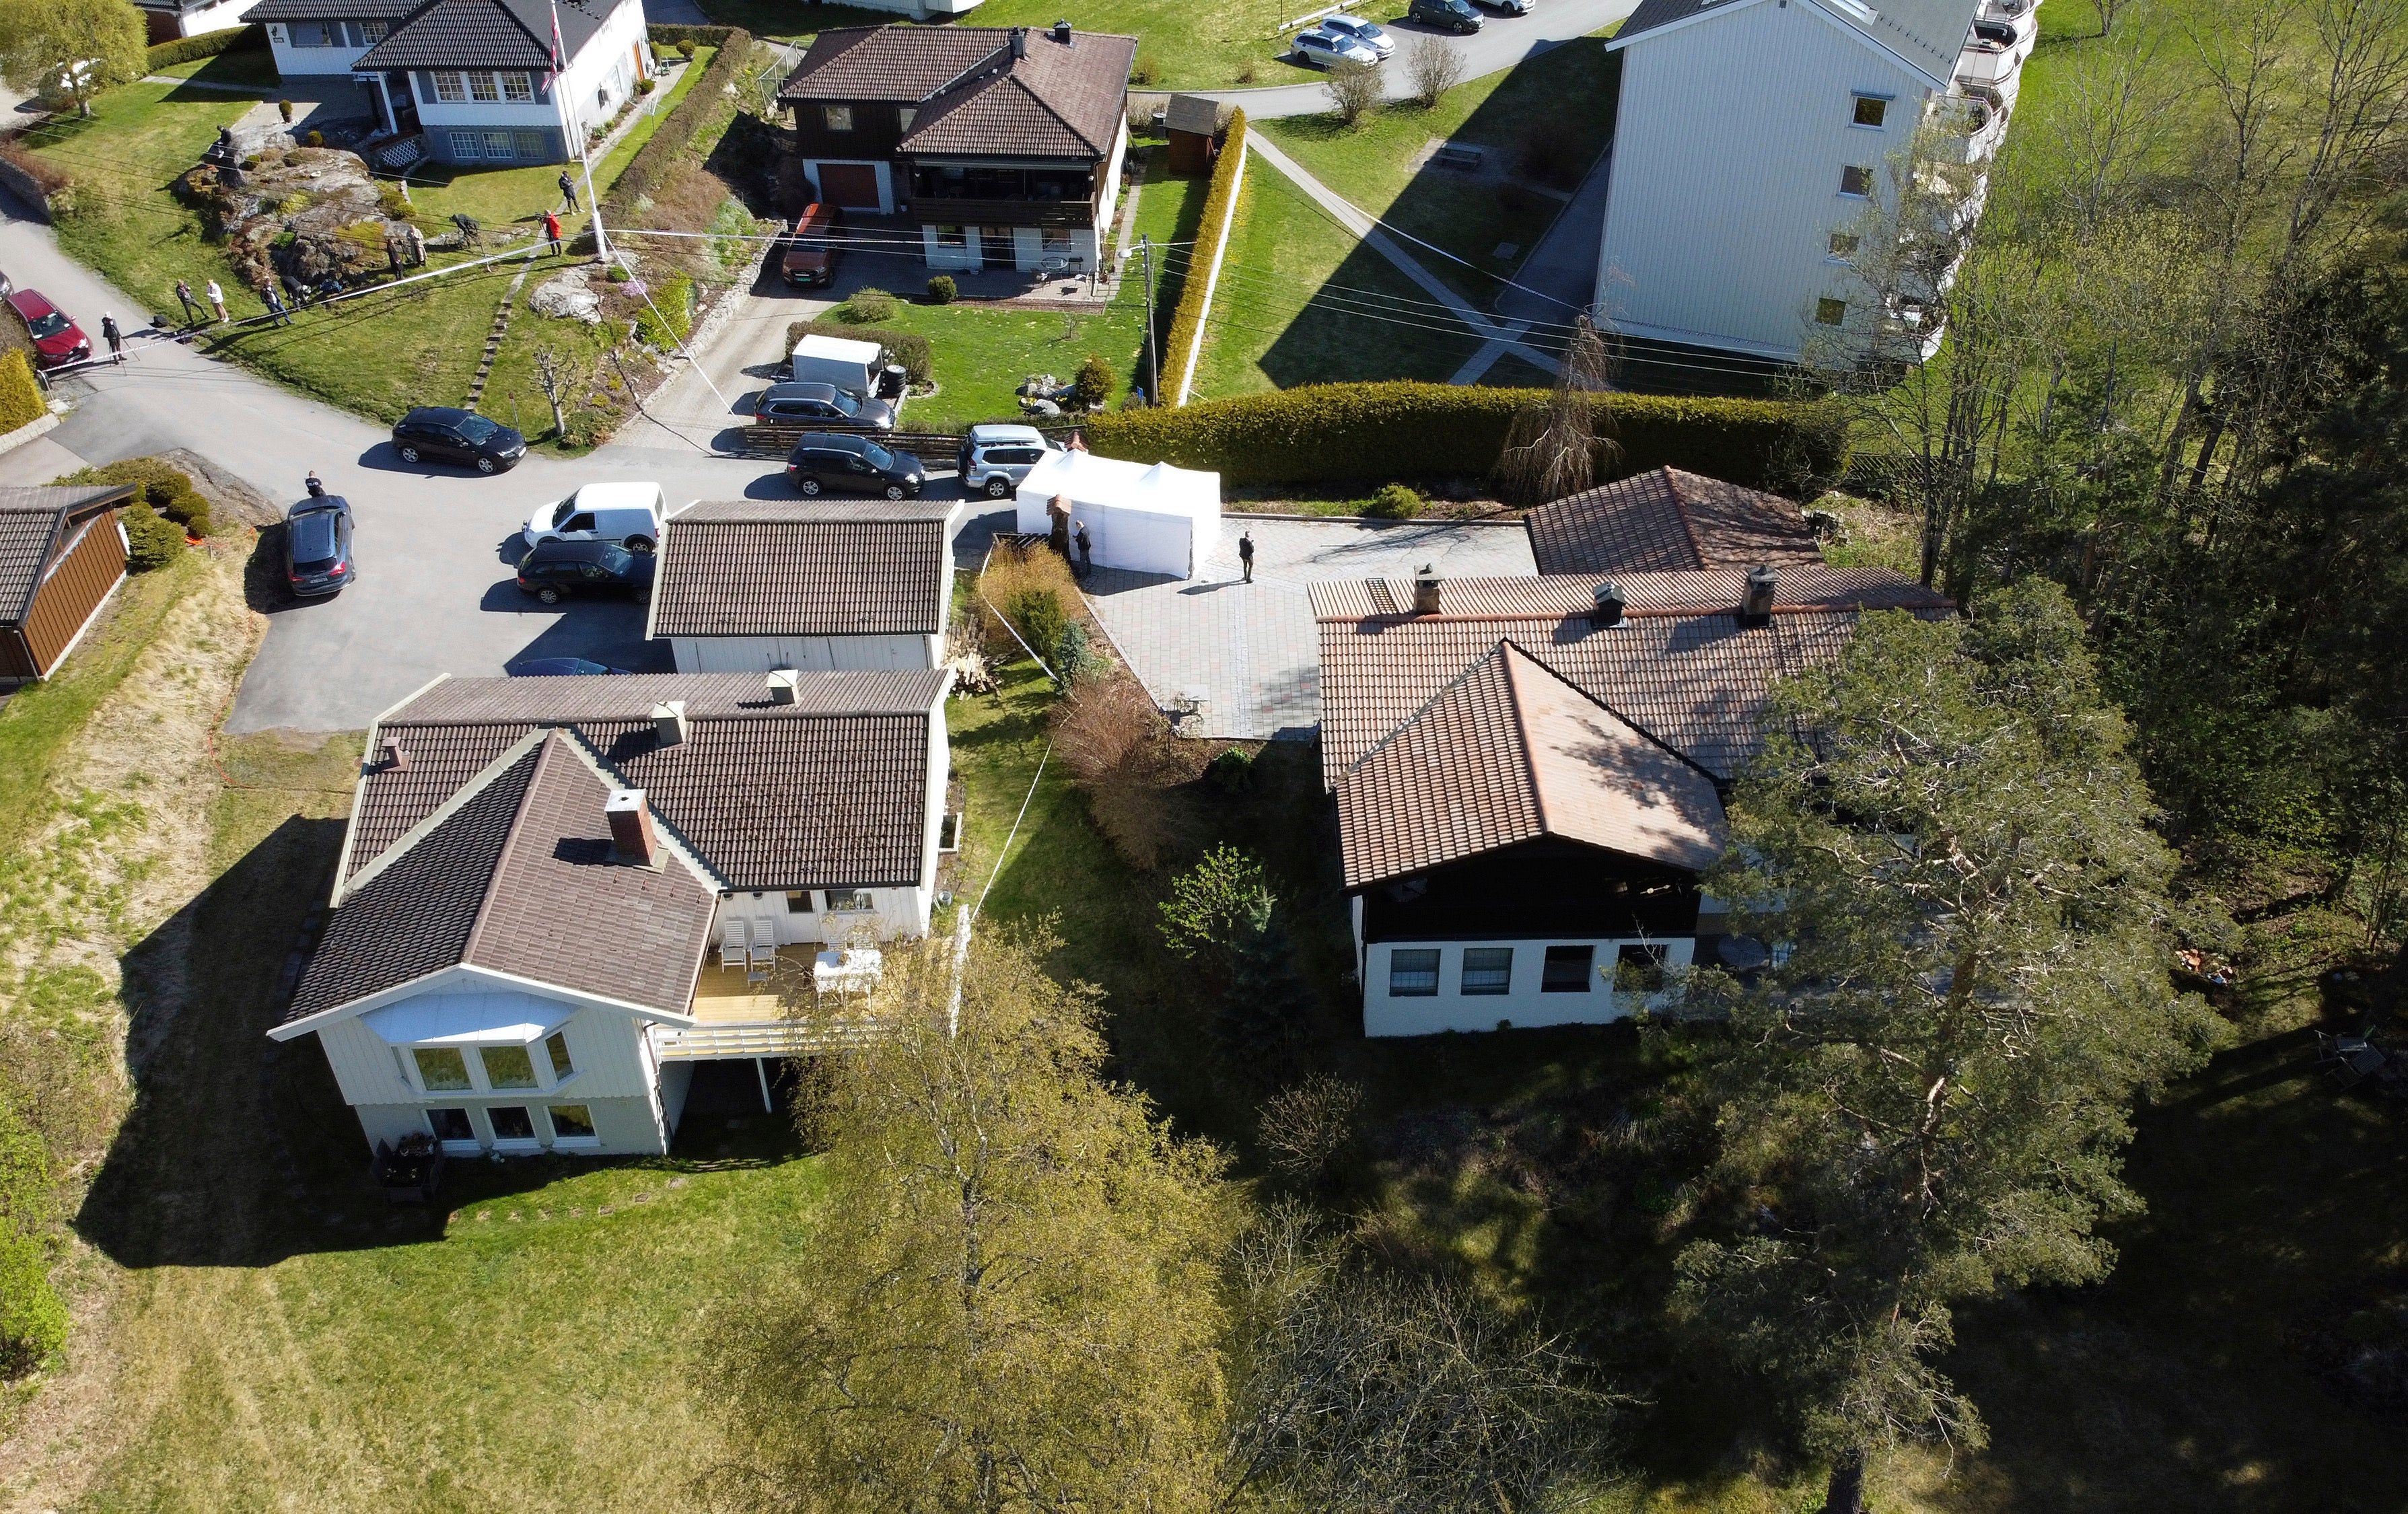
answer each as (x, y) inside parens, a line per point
(762, 958)
(2349, 1060)
(733, 942)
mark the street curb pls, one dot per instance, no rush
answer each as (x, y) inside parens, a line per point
(27, 432)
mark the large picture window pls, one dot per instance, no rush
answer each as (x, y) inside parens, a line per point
(571, 1122)
(511, 1123)
(499, 146)
(507, 1067)
(450, 1126)
(441, 1069)
(483, 89)
(517, 88)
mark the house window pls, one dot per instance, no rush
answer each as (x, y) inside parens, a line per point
(507, 1067)
(483, 89)
(372, 32)
(556, 1044)
(511, 1123)
(1412, 975)
(1870, 109)
(441, 1069)
(953, 236)
(517, 88)
(499, 146)
(311, 35)
(1567, 969)
(850, 901)
(1843, 244)
(840, 117)
(468, 146)
(1638, 968)
(1856, 181)
(798, 900)
(1488, 970)
(532, 145)
(448, 89)
(1830, 312)
(450, 1126)
(571, 1122)
(1054, 235)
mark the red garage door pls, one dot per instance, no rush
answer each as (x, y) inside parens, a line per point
(853, 185)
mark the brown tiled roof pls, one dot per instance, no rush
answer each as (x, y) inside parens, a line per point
(33, 521)
(1666, 521)
(1692, 678)
(1057, 102)
(517, 876)
(829, 792)
(804, 568)
(1506, 752)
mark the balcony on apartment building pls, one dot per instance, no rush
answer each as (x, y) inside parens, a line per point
(2003, 35)
(1004, 196)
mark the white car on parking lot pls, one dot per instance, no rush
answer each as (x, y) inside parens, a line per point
(1321, 49)
(626, 513)
(1368, 33)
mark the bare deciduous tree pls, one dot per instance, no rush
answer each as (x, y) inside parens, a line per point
(556, 383)
(1305, 1128)
(1432, 68)
(1354, 90)
(1555, 445)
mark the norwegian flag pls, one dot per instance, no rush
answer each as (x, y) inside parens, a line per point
(555, 40)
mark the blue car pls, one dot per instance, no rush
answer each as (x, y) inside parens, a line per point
(559, 668)
(317, 546)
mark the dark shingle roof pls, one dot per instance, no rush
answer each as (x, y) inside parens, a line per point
(33, 521)
(518, 878)
(1508, 752)
(809, 569)
(1928, 33)
(829, 792)
(1666, 521)
(1059, 101)
(487, 34)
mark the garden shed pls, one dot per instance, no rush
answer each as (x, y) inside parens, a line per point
(61, 555)
(1146, 519)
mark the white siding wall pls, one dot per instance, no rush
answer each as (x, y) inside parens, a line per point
(1726, 177)
(807, 654)
(626, 1127)
(1527, 1005)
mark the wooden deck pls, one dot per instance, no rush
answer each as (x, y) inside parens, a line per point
(724, 996)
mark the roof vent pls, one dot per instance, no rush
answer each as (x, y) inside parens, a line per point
(669, 720)
(782, 685)
(632, 837)
(1062, 32)
(1426, 589)
(1758, 606)
(1606, 613)
(1020, 42)
(392, 755)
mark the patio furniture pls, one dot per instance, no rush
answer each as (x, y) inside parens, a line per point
(410, 1172)
(2349, 1060)
(854, 970)
(733, 942)
(762, 955)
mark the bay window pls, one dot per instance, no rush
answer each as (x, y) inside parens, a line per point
(507, 1067)
(441, 1069)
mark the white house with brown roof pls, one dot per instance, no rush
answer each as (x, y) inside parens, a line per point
(556, 896)
(748, 586)
(1528, 774)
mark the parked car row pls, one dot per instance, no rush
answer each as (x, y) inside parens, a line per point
(1341, 38)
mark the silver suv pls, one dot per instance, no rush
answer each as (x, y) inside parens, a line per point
(993, 459)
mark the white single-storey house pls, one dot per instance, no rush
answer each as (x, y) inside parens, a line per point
(748, 586)
(1145, 519)
(556, 896)
(165, 20)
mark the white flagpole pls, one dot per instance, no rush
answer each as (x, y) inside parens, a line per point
(584, 146)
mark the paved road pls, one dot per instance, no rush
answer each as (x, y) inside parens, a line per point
(1500, 43)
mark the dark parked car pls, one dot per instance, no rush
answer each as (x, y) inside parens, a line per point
(431, 433)
(57, 340)
(1446, 14)
(317, 546)
(822, 462)
(556, 569)
(824, 405)
(559, 668)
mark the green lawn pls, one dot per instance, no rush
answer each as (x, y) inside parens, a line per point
(250, 67)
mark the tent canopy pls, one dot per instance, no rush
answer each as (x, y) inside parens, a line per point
(1145, 517)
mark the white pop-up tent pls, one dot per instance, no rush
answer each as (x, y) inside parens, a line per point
(1147, 519)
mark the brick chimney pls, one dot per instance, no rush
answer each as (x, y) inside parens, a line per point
(392, 755)
(632, 838)
(1426, 590)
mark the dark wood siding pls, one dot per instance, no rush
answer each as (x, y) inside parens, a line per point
(1549, 887)
(90, 569)
(876, 130)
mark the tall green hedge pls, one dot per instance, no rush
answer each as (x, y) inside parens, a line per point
(21, 398)
(1324, 431)
(668, 35)
(207, 45)
(651, 165)
(1188, 321)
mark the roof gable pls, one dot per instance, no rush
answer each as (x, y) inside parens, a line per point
(487, 34)
(1666, 520)
(34, 520)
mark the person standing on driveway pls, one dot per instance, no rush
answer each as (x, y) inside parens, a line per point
(114, 337)
(277, 314)
(217, 301)
(567, 190)
(1246, 553)
(552, 230)
(1086, 552)
(184, 298)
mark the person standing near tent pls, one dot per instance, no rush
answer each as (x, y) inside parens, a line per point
(567, 190)
(1057, 524)
(1246, 553)
(1086, 552)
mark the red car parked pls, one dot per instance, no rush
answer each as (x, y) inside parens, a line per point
(57, 340)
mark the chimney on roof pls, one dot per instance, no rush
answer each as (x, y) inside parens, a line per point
(669, 720)
(1062, 32)
(1019, 42)
(632, 839)
(1606, 613)
(1758, 606)
(1426, 589)
(392, 755)
(782, 685)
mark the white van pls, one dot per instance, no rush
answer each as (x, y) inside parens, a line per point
(855, 367)
(626, 513)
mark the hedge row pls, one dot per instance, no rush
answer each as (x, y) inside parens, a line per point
(701, 36)
(1188, 321)
(1327, 431)
(207, 45)
(21, 398)
(651, 165)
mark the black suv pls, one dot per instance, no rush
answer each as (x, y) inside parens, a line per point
(317, 546)
(1446, 14)
(821, 462)
(556, 569)
(457, 437)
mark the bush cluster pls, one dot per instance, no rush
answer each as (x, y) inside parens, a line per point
(907, 347)
(686, 39)
(1394, 502)
(21, 398)
(942, 290)
(158, 519)
(46, 176)
(1037, 615)
(1330, 432)
(1187, 318)
(665, 321)
(650, 167)
(207, 45)
(867, 308)
(1094, 384)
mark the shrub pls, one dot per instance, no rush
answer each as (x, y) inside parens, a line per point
(1394, 502)
(646, 85)
(317, 139)
(1075, 657)
(1187, 318)
(907, 347)
(1210, 902)
(21, 398)
(1232, 772)
(1324, 431)
(588, 428)
(1131, 767)
(1037, 615)
(617, 273)
(284, 109)
(1147, 69)
(665, 319)
(47, 176)
(153, 541)
(942, 290)
(207, 45)
(389, 201)
(1094, 384)
(867, 307)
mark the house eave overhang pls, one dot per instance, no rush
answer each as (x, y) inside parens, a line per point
(488, 976)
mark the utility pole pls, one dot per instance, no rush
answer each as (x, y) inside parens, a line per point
(586, 159)
(1152, 338)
